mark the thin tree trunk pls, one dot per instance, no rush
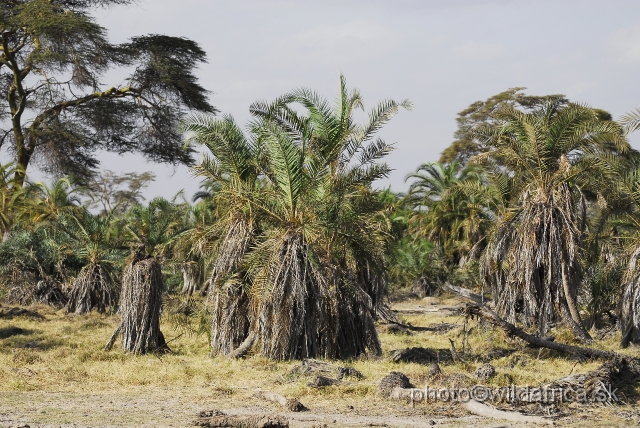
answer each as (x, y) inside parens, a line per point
(571, 303)
(244, 347)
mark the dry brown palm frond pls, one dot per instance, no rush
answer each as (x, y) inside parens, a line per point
(230, 313)
(231, 249)
(226, 294)
(307, 308)
(46, 291)
(93, 288)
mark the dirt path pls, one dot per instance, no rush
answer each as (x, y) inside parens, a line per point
(162, 408)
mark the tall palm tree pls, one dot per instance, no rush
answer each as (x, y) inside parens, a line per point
(302, 249)
(231, 168)
(629, 213)
(553, 156)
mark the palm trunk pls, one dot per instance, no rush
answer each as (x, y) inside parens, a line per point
(191, 278)
(140, 305)
(577, 329)
(575, 323)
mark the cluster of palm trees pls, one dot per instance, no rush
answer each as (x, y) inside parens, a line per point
(50, 237)
(544, 215)
(294, 248)
(286, 238)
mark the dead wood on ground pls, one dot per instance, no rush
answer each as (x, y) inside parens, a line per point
(488, 315)
(20, 312)
(216, 418)
(482, 409)
(291, 404)
(321, 368)
(461, 291)
(420, 355)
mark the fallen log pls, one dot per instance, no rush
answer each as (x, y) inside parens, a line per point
(423, 310)
(216, 418)
(481, 409)
(488, 315)
(464, 292)
(310, 366)
(292, 404)
(394, 328)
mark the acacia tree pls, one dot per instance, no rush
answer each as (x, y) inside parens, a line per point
(55, 109)
(108, 190)
(482, 113)
(553, 157)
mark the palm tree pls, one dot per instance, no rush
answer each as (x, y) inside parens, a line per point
(452, 206)
(231, 169)
(301, 252)
(629, 213)
(43, 204)
(95, 244)
(150, 228)
(10, 198)
(553, 157)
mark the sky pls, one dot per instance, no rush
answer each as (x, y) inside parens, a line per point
(440, 54)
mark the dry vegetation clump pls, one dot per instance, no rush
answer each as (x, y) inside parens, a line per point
(93, 288)
(47, 291)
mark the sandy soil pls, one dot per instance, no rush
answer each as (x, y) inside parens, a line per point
(152, 406)
(177, 408)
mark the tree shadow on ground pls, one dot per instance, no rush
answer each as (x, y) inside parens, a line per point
(10, 331)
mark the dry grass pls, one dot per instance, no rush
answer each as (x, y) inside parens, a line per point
(63, 354)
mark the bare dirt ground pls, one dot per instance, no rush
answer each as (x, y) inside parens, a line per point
(55, 374)
(177, 408)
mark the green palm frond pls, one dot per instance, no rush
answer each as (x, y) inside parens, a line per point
(631, 121)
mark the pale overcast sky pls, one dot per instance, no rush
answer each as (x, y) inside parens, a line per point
(441, 54)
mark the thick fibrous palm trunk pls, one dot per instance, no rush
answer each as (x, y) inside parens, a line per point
(630, 303)
(306, 311)
(230, 324)
(539, 247)
(91, 289)
(229, 300)
(140, 304)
